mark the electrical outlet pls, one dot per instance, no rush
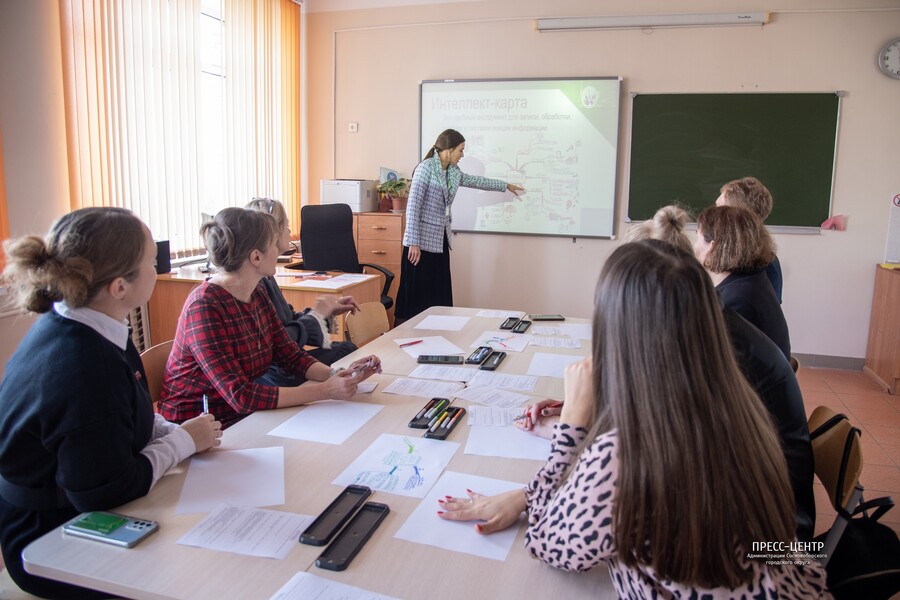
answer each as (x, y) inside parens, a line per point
(354, 127)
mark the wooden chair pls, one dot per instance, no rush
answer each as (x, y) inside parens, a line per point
(368, 323)
(154, 360)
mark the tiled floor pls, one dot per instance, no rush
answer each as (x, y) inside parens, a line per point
(877, 415)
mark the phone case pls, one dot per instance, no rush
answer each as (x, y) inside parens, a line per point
(422, 422)
(454, 416)
(547, 318)
(335, 516)
(350, 541)
(433, 359)
(493, 361)
(481, 352)
(510, 322)
(521, 327)
(111, 528)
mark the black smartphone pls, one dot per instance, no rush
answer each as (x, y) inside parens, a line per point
(493, 361)
(521, 326)
(480, 354)
(547, 318)
(350, 541)
(330, 520)
(455, 414)
(439, 359)
(510, 322)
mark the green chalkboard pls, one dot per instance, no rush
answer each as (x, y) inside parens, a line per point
(685, 146)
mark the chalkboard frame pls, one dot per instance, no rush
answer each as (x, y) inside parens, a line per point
(685, 146)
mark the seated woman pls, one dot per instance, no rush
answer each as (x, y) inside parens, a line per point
(637, 461)
(228, 334)
(735, 248)
(312, 327)
(77, 429)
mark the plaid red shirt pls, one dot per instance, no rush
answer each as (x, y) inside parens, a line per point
(221, 346)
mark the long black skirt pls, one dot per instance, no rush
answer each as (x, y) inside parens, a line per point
(424, 285)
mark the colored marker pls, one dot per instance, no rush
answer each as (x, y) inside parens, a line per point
(449, 418)
(456, 417)
(436, 409)
(405, 344)
(205, 405)
(438, 424)
(424, 410)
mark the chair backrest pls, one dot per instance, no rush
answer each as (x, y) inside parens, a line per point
(370, 322)
(154, 359)
(837, 455)
(326, 238)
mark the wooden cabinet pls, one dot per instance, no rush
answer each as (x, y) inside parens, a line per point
(883, 350)
(379, 240)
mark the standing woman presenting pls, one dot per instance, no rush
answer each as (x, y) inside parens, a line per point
(425, 271)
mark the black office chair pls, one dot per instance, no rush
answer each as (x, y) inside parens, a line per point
(326, 242)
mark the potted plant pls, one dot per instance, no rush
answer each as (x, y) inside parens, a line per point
(393, 194)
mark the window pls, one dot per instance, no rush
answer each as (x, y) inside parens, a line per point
(174, 108)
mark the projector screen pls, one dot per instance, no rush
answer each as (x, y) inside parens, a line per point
(557, 138)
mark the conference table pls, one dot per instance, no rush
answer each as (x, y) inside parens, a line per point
(160, 568)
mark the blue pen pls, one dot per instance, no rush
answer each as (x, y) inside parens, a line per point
(205, 405)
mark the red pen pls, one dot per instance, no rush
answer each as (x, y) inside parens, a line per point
(405, 344)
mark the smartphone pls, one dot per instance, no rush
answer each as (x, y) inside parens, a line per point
(521, 326)
(547, 318)
(510, 322)
(439, 359)
(111, 528)
(329, 522)
(493, 361)
(350, 541)
(480, 354)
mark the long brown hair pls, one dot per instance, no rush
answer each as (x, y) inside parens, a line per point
(701, 472)
(740, 241)
(234, 233)
(85, 250)
(447, 140)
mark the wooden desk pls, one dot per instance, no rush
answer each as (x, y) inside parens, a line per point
(160, 568)
(883, 349)
(172, 290)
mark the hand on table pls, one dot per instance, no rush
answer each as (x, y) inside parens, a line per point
(540, 417)
(365, 367)
(205, 431)
(498, 512)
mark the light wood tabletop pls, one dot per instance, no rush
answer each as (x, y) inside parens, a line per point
(161, 568)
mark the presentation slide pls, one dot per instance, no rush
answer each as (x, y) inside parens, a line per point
(557, 138)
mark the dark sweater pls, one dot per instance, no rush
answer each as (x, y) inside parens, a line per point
(751, 296)
(771, 375)
(75, 415)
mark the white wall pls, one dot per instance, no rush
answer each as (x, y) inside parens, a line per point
(374, 60)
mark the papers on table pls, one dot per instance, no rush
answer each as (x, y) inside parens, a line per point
(328, 422)
(435, 344)
(366, 387)
(332, 283)
(253, 477)
(507, 442)
(546, 330)
(521, 383)
(443, 323)
(402, 465)
(500, 314)
(423, 387)
(579, 331)
(503, 341)
(551, 365)
(443, 373)
(493, 416)
(492, 396)
(554, 342)
(250, 531)
(306, 586)
(424, 526)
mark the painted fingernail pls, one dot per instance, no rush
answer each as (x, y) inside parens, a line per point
(468, 490)
(441, 501)
(448, 497)
(478, 528)
(440, 512)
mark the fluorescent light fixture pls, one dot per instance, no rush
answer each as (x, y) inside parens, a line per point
(653, 21)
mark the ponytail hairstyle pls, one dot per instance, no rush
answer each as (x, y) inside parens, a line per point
(447, 140)
(234, 233)
(667, 225)
(84, 251)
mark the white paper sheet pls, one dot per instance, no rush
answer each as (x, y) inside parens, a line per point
(506, 442)
(366, 387)
(500, 314)
(249, 531)
(492, 396)
(443, 373)
(424, 388)
(579, 331)
(546, 330)
(554, 342)
(306, 586)
(521, 383)
(503, 341)
(424, 526)
(399, 464)
(436, 344)
(443, 323)
(328, 422)
(253, 477)
(551, 365)
(494, 417)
